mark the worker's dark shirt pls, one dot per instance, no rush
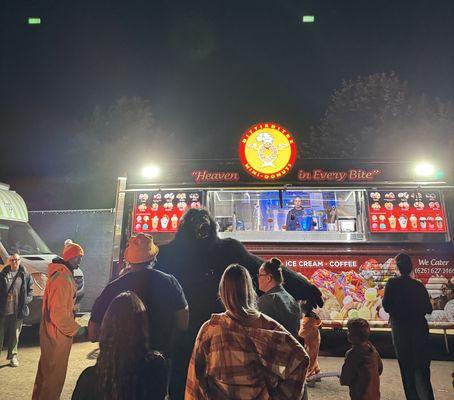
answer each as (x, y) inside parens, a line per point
(406, 300)
(293, 221)
(278, 304)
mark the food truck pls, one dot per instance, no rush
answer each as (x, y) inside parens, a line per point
(338, 222)
(18, 236)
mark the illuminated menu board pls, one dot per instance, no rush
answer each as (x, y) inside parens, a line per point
(161, 211)
(399, 211)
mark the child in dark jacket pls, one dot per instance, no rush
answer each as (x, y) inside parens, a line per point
(363, 366)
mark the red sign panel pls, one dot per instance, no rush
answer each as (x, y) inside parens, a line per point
(161, 211)
(395, 211)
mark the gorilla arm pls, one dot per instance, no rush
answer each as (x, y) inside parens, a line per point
(243, 257)
(300, 287)
(296, 284)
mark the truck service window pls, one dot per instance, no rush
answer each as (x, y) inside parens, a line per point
(293, 216)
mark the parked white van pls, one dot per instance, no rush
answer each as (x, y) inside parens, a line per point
(17, 236)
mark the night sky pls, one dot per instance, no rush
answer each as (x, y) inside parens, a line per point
(209, 68)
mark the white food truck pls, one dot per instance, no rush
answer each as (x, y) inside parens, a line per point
(17, 236)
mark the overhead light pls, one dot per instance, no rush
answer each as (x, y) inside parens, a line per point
(308, 19)
(425, 170)
(151, 171)
(34, 21)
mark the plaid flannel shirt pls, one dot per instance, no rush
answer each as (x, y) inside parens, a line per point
(234, 361)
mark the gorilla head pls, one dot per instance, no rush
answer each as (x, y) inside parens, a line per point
(196, 225)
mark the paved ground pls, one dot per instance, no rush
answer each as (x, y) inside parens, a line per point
(17, 383)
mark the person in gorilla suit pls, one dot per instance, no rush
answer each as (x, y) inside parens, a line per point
(197, 257)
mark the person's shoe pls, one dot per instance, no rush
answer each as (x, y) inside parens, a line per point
(14, 362)
(310, 382)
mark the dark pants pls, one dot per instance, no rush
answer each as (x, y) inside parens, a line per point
(411, 343)
(10, 327)
(179, 371)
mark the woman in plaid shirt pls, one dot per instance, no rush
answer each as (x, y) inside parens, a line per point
(242, 354)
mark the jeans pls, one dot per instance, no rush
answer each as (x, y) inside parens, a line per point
(305, 395)
(11, 327)
(411, 343)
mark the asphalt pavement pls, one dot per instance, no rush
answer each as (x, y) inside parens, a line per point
(17, 383)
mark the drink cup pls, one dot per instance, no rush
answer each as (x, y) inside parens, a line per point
(174, 221)
(439, 221)
(164, 222)
(392, 222)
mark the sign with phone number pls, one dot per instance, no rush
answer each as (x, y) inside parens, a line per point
(423, 267)
(353, 286)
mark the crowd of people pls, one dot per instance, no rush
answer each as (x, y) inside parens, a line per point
(185, 321)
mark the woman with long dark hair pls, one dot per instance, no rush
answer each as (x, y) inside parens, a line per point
(242, 353)
(126, 368)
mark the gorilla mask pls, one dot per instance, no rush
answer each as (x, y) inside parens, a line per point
(197, 225)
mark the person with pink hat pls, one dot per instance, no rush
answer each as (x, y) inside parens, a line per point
(58, 326)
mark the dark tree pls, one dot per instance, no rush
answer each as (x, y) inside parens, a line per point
(119, 138)
(357, 115)
(377, 116)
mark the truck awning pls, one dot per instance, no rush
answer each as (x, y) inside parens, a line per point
(12, 206)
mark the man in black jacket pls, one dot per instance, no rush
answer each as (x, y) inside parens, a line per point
(197, 257)
(407, 302)
(15, 295)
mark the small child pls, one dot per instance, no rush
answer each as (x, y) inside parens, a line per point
(363, 366)
(309, 331)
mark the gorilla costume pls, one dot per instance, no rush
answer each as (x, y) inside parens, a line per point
(197, 257)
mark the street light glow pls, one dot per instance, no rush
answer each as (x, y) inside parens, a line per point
(152, 171)
(425, 170)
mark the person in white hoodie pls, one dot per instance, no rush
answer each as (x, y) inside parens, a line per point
(242, 353)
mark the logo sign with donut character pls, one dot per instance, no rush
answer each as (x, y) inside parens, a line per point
(267, 151)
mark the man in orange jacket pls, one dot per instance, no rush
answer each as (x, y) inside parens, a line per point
(58, 326)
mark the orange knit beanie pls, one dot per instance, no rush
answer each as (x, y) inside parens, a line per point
(72, 250)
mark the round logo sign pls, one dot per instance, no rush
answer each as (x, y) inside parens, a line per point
(267, 151)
